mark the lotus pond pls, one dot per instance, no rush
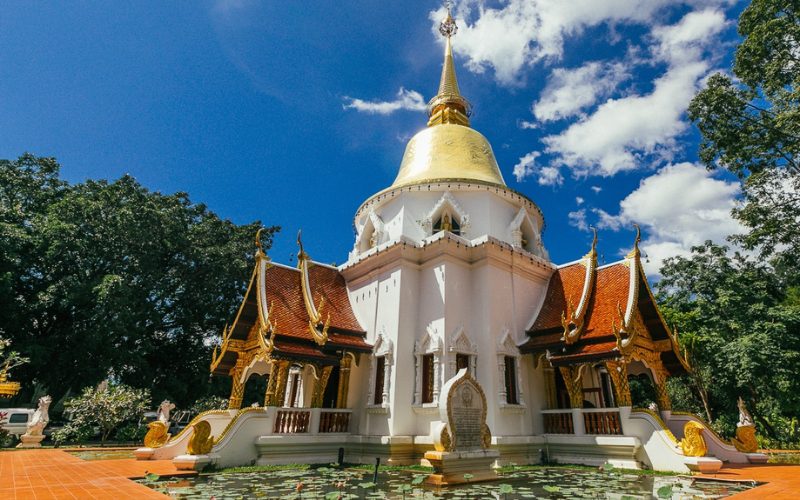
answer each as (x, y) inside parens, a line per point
(400, 483)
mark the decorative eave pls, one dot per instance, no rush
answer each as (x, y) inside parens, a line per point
(266, 329)
(573, 320)
(634, 264)
(318, 330)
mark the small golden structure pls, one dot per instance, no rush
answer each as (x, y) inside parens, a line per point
(201, 441)
(745, 440)
(7, 389)
(693, 444)
(318, 330)
(157, 435)
(572, 380)
(444, 443)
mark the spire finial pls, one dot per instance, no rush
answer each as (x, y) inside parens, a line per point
(635, 253)
(448, 106)
(301, 254)
(259, 246)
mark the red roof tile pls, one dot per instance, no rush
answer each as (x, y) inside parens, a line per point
(566, 283)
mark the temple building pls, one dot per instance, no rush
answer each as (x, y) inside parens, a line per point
(448, 271)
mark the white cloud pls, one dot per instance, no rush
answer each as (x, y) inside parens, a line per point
(680, 206)
(527, 166)
(578, 219)
(518, 33)
(569, 91)
(596, 189)
(579, 200)
(623, 133)
(406, 99)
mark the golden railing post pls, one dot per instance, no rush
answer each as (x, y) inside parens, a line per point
(237, 390)
(319, 386)
(618, 371)
(280, 386)
(574, 385)
(344, 381)
(272, 383)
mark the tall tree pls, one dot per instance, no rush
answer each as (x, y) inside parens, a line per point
(750, 125)
(111, 279)
(743, 331)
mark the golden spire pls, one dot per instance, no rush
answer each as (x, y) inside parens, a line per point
(448, 106)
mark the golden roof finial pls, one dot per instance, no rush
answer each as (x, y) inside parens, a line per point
(448, 106)
(301, 254)
(635, 253)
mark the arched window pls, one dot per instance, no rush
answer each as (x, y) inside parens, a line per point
(447, 223)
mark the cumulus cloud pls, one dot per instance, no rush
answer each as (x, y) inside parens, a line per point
(578, 219)
(527, 166)
(579, 200)
(518, 33)
(623, 133)
(406, 99)
(569, 91)
(681, 206)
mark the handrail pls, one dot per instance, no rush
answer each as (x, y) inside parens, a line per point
(659, 421)
(234, 419)
(195, 420)
(704, 424)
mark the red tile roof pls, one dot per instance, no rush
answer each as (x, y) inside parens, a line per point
(608, 295)
(565, 284)
(288, 315)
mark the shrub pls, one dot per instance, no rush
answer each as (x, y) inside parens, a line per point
(104, 409)
(6, 440)
(207, 403)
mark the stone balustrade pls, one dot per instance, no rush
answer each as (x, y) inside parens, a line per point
(310, 420)
(582, 421)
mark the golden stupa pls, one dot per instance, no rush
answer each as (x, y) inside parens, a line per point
(448, 150)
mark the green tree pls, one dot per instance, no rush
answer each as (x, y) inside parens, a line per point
(750, 125)
(110, 279)
(742, 332)
(105, 408)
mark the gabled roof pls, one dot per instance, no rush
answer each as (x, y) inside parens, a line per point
(617, 295)
(274, 312)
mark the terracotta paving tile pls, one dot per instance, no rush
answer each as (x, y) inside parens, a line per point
(781, 481)
(55, 474)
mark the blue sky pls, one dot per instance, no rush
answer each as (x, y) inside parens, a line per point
(294, 113)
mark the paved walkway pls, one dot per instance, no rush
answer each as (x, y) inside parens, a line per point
(783, 481)
(55, 474)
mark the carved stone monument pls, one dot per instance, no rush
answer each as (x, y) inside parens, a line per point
(462, 438)
(35, 430)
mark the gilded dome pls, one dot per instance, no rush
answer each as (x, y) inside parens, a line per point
(448, 151)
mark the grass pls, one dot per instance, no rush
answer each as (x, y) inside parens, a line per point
(508, 469)
(259, 468)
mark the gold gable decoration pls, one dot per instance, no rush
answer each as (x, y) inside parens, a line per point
(318, 329)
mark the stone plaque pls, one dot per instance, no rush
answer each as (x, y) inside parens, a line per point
(463, 409)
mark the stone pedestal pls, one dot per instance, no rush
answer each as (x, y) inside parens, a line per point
(757, 458)
(703, 465)
(28, 441)
(449, 467)
(191, 462)
(143, 453)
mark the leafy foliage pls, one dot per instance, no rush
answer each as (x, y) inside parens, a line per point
(207, 403)
(740, 313)
(108, 278)
(742, 333)
(105, 409)
(9, 359)
(751, 126)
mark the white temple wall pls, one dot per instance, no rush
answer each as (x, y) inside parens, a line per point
(405, 214)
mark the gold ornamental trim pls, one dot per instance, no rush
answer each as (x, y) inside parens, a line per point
(201, 441)
(660, 422)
